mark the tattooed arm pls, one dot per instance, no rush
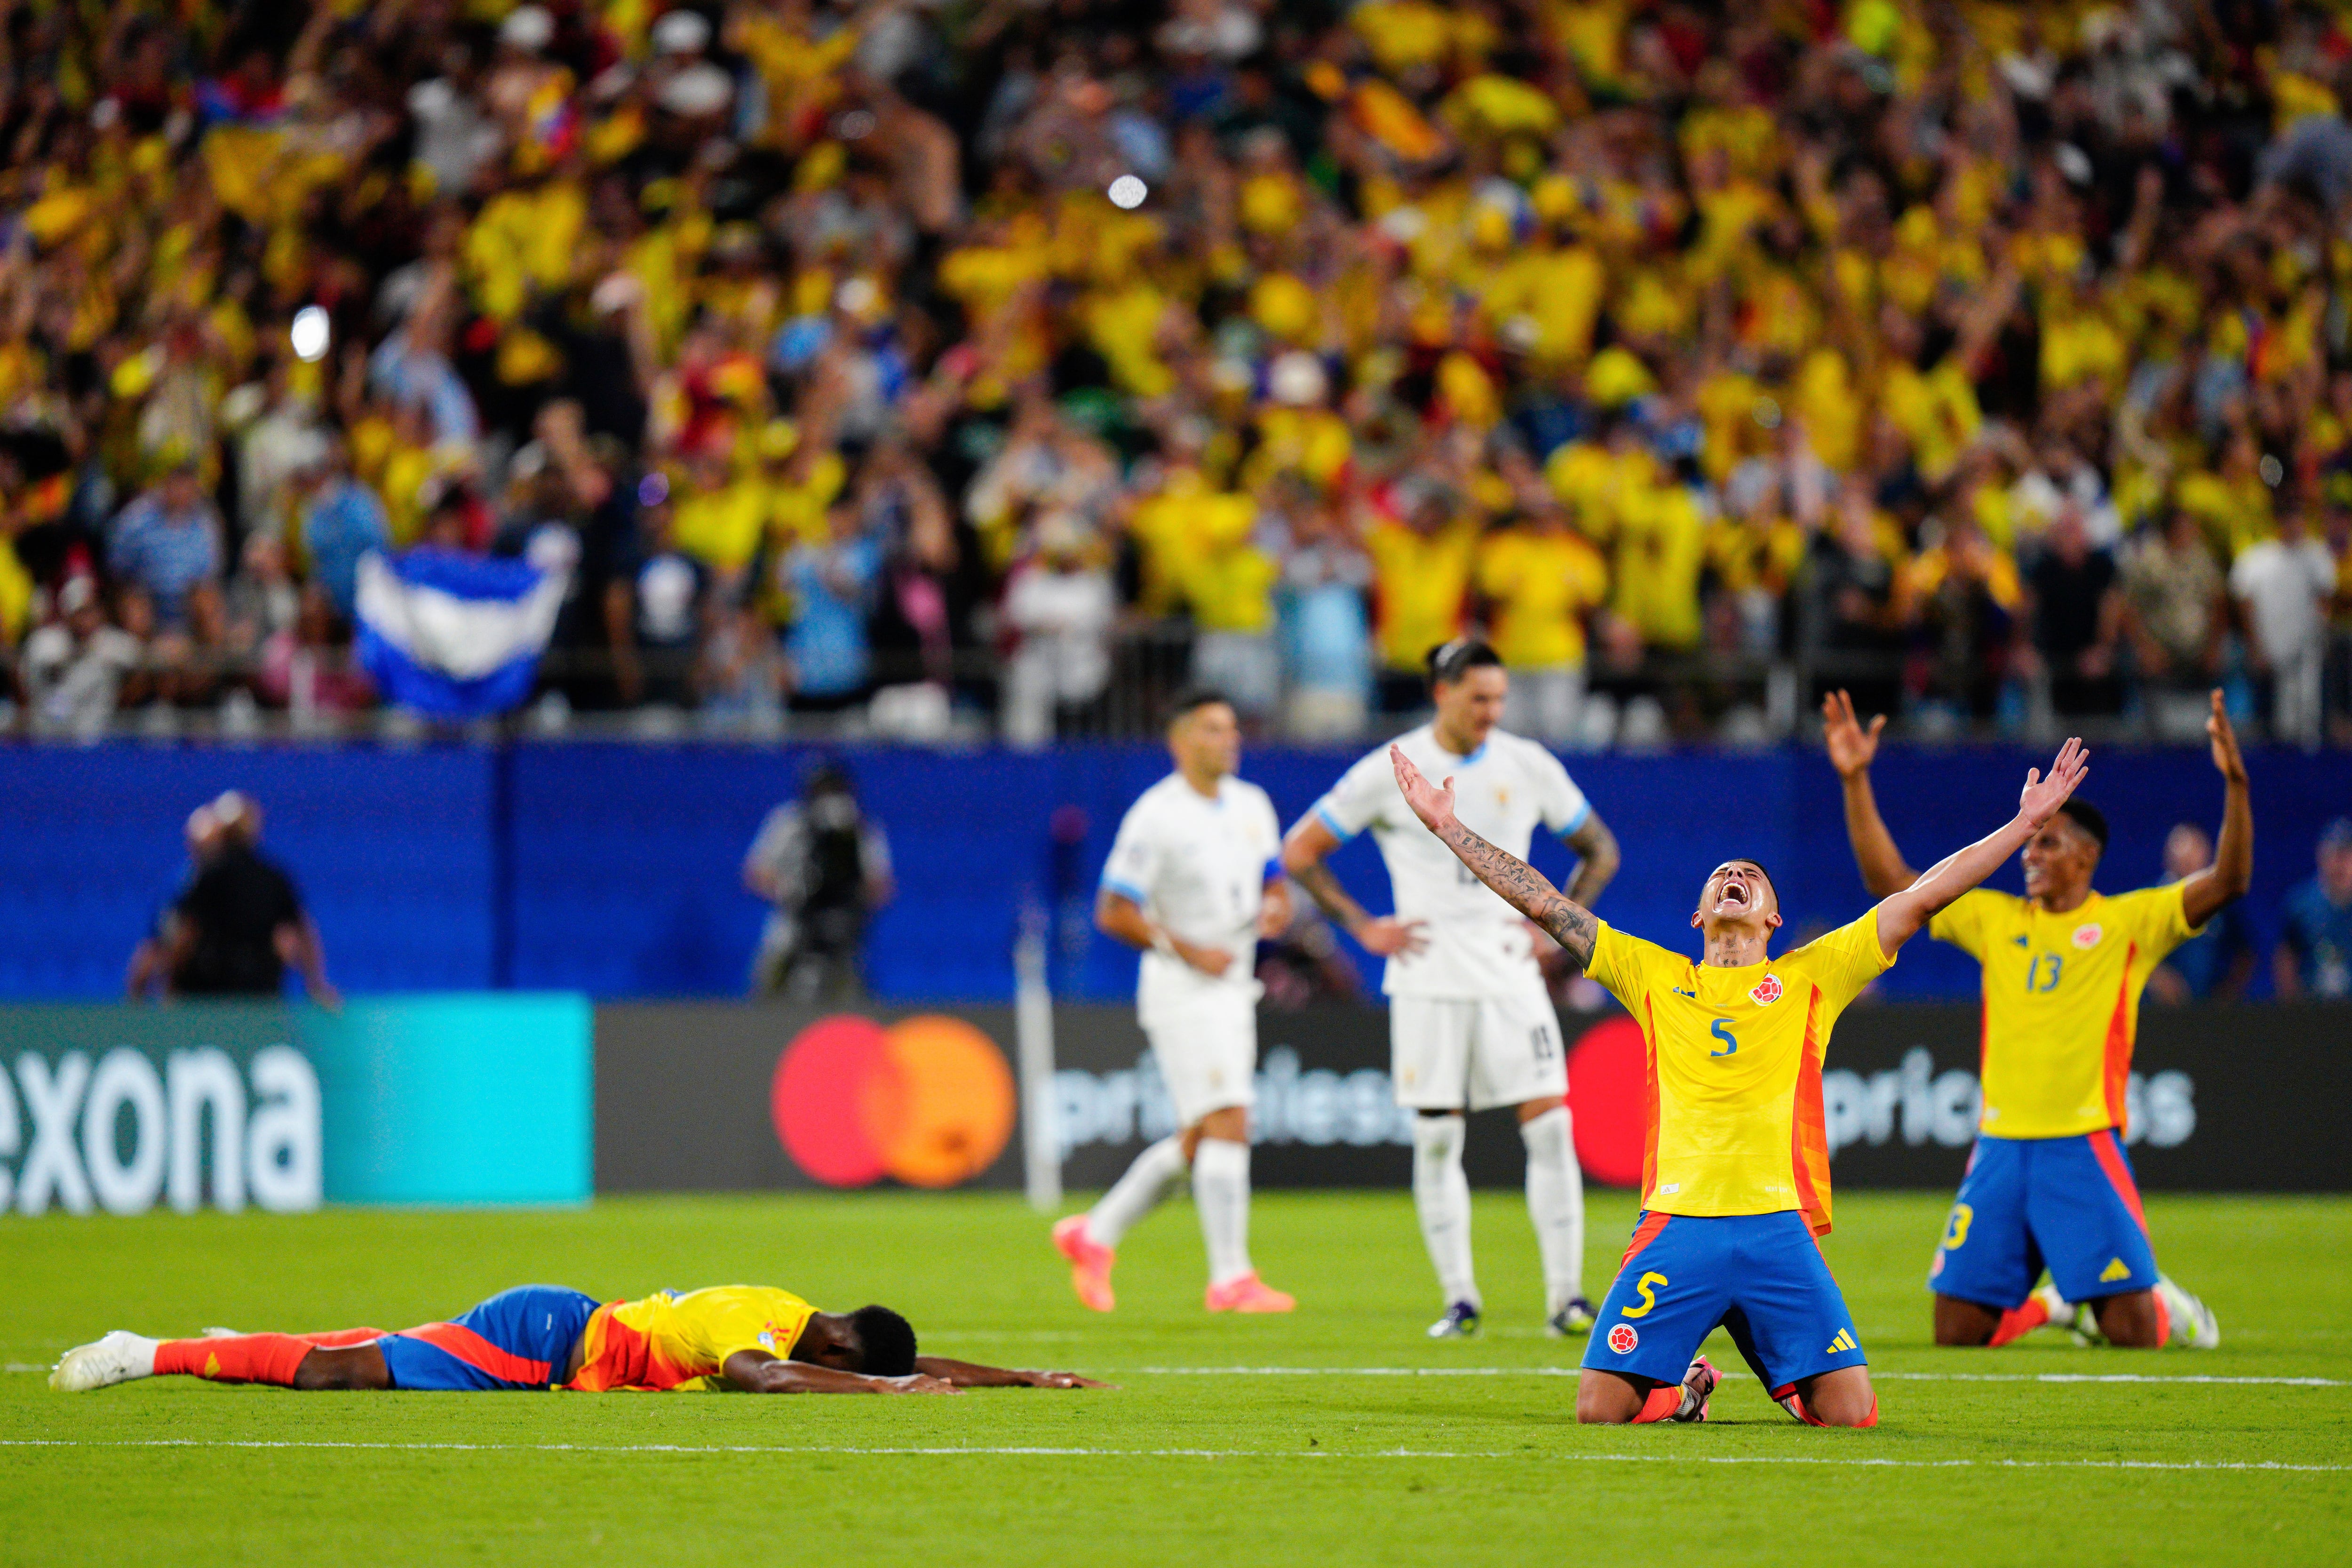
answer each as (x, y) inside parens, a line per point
(1302, 855)
(1520, 885)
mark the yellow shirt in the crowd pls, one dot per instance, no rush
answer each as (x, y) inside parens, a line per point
(1734, 1068)
(1542, 586)
(672, 1343)
(1661, 550)
(2061, 1000)
(721, 528)
(1420, 579)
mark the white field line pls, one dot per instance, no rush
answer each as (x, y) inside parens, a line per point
(1075, 1453)
(1880, 1376)
(1572, 1372)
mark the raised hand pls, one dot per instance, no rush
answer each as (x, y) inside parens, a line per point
(2040, 798)
(2232, 766)
(1852, 748)
(1433, 804)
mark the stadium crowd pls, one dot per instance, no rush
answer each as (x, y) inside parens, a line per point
(913, 360)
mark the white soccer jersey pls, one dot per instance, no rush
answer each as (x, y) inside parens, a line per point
(1478, 946)
(1199, 869)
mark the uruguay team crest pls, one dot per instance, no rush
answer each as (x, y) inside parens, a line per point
(1764, 992)
(2087, 934)
(1622, 1338)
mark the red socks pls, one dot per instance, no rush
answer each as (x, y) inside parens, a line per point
(2019, 1322)
(1660, 1404)
(1793, 1402)
(241, 1358)
(342, 1339)
(2163, 1320)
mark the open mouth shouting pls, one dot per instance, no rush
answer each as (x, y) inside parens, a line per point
(1738, 890)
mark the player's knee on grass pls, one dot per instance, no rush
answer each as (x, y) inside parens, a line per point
(2130, 1319)
(1959, 1322)
(349, 1367)
(1842, 1398)
(1605, 1399)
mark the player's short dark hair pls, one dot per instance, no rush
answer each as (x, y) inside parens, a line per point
(1192, 699)
(1449, 662)
(886, 1342)
(2087, 817)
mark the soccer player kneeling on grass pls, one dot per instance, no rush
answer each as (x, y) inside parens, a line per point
(2049, 1182)
(733, 1337)
(1735, 1176)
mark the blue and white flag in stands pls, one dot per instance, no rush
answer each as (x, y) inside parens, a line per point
(454, 635)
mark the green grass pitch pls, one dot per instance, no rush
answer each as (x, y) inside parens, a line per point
(1983, 1459)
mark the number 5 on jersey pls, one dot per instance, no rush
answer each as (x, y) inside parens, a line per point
(1721, 1031)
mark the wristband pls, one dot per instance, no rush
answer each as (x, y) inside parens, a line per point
(1162, 944)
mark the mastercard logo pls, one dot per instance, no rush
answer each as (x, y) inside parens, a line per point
(1609, 1101)
(928, 1100)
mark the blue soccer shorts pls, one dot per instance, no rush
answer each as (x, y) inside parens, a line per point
(1761, 1276)
(519, 1339)
(2068, 1202)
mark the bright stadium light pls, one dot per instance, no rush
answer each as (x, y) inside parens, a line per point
(310, 333)
(1127, 192)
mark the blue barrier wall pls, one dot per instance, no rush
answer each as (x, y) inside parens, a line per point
(614, 869)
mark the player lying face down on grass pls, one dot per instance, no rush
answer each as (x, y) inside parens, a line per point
(740, 1338)
(1736, 1174)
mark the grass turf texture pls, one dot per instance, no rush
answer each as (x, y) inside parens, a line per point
(1173, 1466)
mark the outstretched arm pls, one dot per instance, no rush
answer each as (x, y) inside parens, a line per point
(1901, 916)
(1850, 750)
(1520, 885)
(2232, 870)
(970, 1375)
(757, 1371)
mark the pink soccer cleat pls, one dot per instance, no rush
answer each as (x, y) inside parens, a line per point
(1700, 1380)
(1248, 1294)
(1090, 1262)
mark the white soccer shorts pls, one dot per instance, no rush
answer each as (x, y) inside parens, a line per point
(1448, 1052)
(1207, 1050)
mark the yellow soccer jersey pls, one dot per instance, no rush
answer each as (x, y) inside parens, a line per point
(2061, 1000)
(1734, 1068)
(668, 1342)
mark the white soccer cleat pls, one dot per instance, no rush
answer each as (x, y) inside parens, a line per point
(2193, 1323)
(120, 1357)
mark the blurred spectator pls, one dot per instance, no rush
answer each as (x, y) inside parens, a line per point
(342, 521)
(832, 583)
(1543, 579)
(77, 666)
(2215, 964)
(1422, 545)
(241, 925)
(1059, 606)
(166, 548)
(658, 606)
(2177, 615)
(2285, 585)
(2314, 957)
(1327, 634)
(2077, 618)
(825, 865)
